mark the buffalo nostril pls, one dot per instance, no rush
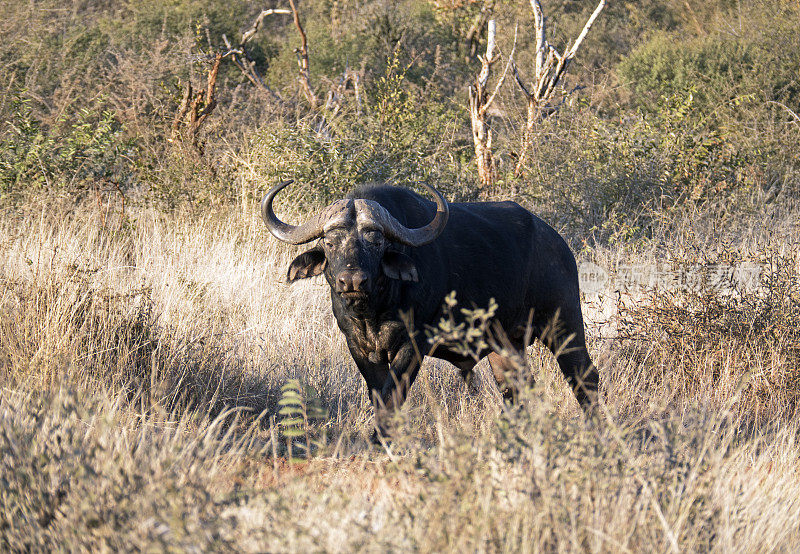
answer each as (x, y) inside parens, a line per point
(360, 281)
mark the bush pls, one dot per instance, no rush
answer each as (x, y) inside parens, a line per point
(76, 152)
(396, 138)
(611, 178)
(722, 65)
(366, 36)
(717, 331)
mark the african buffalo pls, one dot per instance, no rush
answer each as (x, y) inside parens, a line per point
(387, 250)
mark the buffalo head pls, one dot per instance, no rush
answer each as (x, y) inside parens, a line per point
(359, 242)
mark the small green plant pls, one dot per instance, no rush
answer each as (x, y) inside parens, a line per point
(301, 414)
(392, 103)
(466, 334)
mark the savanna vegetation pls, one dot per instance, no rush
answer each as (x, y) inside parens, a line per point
(162, 388)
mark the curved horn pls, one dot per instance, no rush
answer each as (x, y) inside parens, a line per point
(292, 234)
(426, 234)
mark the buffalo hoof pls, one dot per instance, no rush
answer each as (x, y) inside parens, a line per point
(379, 437)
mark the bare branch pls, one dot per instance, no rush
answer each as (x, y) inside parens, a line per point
(554, 79)
(550, 65)
(541, 41)
(210, 102)
(787, 108)
(242, 59)
(518, 79)
(549, 68)
(500, 81)
(564, 61)
(489, 59)
(479, 102)
(577, 44)
(250, 33)
(491, 32)
(183, 109)
(544, 78)
(302, 59)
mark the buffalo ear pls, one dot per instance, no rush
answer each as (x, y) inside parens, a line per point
(399, 266)
(308, 264)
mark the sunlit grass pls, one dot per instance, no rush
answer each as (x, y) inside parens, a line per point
(141, 362)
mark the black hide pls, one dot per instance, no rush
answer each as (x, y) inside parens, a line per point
(487, 250)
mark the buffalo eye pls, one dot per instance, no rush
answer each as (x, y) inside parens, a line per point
(373, 236)
(332, 238)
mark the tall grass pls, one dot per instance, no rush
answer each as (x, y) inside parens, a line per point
(141, 360)
(144, 355)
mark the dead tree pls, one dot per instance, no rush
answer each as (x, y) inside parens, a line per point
(242, 59)
(302, 60)
(549, 68)
(473, 33)
(479, 101)
(247, 65)
(195, 108)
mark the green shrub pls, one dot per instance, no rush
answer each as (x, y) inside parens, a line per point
(367, 35)
(609, 177)
(79, 151)
(664, 67)
(139, 23)
(728, 63)
(398, 137)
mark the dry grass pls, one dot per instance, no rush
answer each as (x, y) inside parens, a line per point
(141, 363)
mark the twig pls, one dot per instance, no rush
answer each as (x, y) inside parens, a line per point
(549, 68)
(242, 59)
(253, 29)
(183, 109)
(500, 81)
(302, 59)
(479, 102)
(785, 107)
(571, 53)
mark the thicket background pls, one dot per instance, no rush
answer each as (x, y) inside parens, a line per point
(677, 104)
(146, 333)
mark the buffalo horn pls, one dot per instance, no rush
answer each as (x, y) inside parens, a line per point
(394, 230)
(422, 235)
(293, 234)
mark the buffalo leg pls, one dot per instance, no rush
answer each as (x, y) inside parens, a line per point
(573, 358)
(577, 367)
(394, 389)
(509, 375)
(466, 367)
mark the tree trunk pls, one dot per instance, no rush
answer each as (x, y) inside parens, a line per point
(533, 118)
(482, 139)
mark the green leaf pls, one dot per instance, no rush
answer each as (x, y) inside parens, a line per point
(291, 384)
(290, 399)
